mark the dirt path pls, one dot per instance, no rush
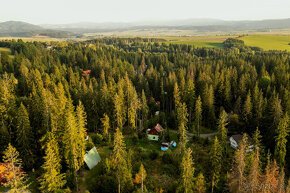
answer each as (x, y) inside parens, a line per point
(201, 135)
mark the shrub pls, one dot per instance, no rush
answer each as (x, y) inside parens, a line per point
(153, 155)
(97, 138)
(167, 157)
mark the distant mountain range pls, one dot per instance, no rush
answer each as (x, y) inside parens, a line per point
(22, 29)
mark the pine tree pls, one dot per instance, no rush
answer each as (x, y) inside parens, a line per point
(281, 140)
(119, 111)
(182, 122)
(198, 114)
(187, 173)
(222, 130)
(106, 125)
(190, 96)
(144, 108)
(25, 137)
(81, 120)
(15, 175)
(74, 139)
(215, 159)
(247, 110)
(119, 159)
(176, 95)
(52, 180)
(200, 184)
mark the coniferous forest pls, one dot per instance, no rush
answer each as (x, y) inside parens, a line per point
(58, 100)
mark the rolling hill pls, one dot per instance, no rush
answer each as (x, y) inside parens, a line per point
(23, 29)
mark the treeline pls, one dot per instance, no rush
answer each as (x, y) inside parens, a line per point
(46, 101)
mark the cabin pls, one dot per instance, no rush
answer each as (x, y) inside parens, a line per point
(92, 158)
(155, 133)
(86, 72)
(236, 139)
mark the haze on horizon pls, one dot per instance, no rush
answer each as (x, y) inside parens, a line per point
(73, 11)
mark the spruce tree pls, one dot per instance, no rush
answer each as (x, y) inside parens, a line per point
(215, 163)
(25, 137)
(52, 180)
(198, 114)
(119, 159)
(281, 140)
(222, 130)
(106, 125)
(187, 173)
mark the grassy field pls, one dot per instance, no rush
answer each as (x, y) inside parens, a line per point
(199, 41)
(268, 42)
(6, 50)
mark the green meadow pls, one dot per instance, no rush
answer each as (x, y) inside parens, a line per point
(6, 50)
(268, 42)
(198, 41)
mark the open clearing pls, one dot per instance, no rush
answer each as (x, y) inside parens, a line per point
(268, 42)
(6, 50)
(199, 41)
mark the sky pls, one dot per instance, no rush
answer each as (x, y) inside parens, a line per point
(73, 11)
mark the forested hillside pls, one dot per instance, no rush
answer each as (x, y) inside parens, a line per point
(52, 95)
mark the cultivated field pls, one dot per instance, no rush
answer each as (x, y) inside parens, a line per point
(268, 42)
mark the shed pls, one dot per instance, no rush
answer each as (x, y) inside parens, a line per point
(92, 158)
(154, 133)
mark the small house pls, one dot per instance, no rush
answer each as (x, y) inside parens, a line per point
(236, 139)
(92, 158)
(155, 133)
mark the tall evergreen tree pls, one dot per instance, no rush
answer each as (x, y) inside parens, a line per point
(119, 159)
(52, 180)
(25, 137)
(222, 130)
(106, 125)
(281, 140)
(198, 114)
(215, 163)
(187, 173)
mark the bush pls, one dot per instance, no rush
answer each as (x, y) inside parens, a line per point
(97, 138)
(153, 155)
(167, 157)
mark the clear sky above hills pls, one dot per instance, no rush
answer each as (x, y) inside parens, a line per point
(71, 11)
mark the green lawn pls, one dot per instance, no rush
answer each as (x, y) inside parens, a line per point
(199, 41)
(268, 42)
(6, 50)
(208, 44)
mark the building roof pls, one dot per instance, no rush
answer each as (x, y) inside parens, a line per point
(158, 127)
(239, 138)
(92, 158)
